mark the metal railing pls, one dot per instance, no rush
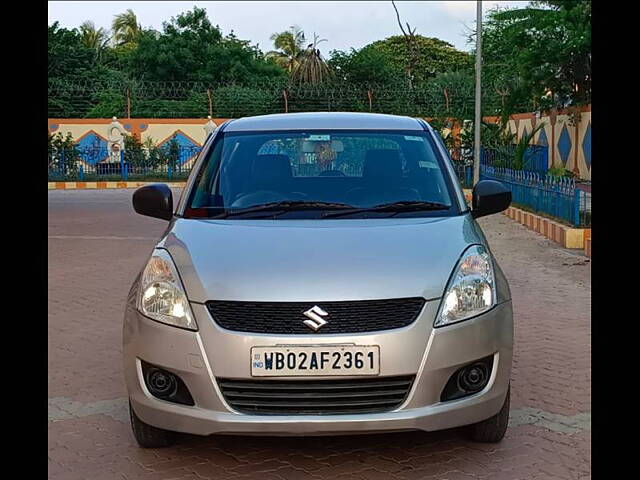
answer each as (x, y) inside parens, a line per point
(534, 158)
(95, 163)
(554, 196)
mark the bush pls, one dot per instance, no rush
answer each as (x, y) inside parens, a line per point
(560, 172)
(63, 155)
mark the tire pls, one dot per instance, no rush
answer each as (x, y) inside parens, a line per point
(148, 436)
(492, 429)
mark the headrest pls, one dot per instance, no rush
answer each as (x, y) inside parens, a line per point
(382, 163)
(270, 166)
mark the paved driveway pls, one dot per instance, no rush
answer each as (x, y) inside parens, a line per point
(96, 246)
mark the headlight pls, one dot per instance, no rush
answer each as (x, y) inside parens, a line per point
(161, 296)
(471, 290)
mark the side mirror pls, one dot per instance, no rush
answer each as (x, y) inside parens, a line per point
(154, 200)
(489, 196)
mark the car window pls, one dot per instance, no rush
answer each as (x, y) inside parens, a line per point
(359, 169)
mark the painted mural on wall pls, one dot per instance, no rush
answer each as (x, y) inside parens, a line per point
(101, 140)
(567, 135)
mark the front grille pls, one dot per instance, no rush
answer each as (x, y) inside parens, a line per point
(343, 317)
(316, 397)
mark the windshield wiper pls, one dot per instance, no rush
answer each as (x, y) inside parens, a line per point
(395, 207)
(285, 206)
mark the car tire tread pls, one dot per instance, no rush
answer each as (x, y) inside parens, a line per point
(148, 436)
(493, 429)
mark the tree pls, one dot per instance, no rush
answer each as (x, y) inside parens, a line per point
(433, 56)
(126, 29)
(289, 45)
(367, 67)
(68, 56)
(312, 68)
(543, 50)
(190, 48)
(94, 38)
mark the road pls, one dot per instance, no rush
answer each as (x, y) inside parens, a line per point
(96, 246)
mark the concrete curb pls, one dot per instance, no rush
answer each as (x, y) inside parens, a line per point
(566, 236)
(104, 185)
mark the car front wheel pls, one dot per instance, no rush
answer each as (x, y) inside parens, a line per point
(148, 436)
(492, 429)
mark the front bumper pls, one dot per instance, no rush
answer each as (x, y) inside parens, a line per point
(433, 355)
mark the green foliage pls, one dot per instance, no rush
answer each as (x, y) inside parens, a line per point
(63, 155)
(148, 156)
(126, 30)
(312, 68)
(289, 47)
(366, 67)
(388, 61)
(539, 56)
(68, 56)
(95, 39)
(495, 137)
(109, 104)
(560, 172)
(190, 48)
(451, 94)
(172, 151)
(134, 153)
(519, 160)
(434, 56)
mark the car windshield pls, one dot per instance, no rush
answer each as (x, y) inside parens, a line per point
(362, 174)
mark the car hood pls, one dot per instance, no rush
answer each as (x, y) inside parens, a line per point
(318, 260)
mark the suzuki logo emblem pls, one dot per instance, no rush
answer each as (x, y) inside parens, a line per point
(316, 321)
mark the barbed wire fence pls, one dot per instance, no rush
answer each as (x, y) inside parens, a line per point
(149, 99)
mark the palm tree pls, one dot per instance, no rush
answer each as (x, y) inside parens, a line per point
(125, 28)
(94, 38)
(289, 48)
(311, 67)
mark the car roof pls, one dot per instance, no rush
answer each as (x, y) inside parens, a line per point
(323, 120)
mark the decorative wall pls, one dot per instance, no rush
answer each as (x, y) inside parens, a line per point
(566, 133)
(94, 131)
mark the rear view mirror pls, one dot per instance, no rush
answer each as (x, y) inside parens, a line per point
(311, 146)
(155, 200)
(489, 196)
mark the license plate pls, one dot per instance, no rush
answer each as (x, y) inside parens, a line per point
(317, 360)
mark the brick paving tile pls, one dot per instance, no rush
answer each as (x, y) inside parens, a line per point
(97, 245)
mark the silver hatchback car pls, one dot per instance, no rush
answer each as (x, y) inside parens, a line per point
(321, 273)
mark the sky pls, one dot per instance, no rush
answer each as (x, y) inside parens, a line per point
(343, 24)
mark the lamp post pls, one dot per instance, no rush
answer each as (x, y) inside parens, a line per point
(478, 113)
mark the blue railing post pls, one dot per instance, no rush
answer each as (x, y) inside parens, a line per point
(62, 168)
(122, 173)
(576, 207)
(169, 171)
